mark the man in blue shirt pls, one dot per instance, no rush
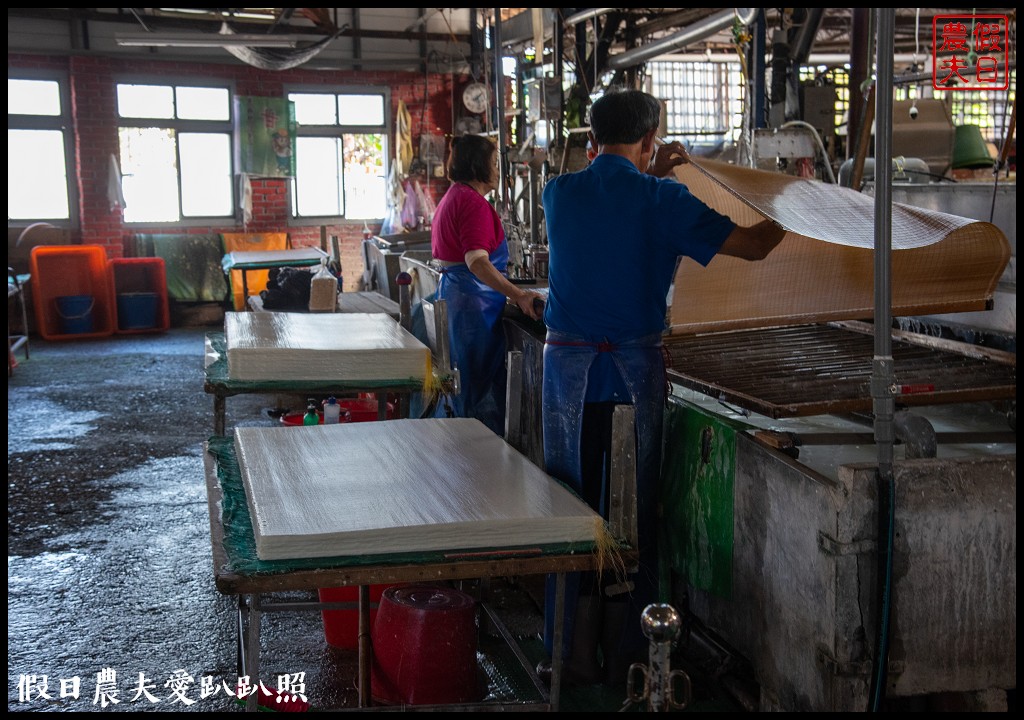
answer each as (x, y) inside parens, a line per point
(615, 233)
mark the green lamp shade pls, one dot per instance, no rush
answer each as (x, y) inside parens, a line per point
(969, 149)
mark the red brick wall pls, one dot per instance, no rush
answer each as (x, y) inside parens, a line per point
(92, 81)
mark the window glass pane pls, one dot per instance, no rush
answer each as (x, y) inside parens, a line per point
(365, 184)
(149, 168)
(145, 101)
(318, 177)
(33, 97)
(205, 174)
(361, 109)
(314, 109)
(196, 103)
(37, 186)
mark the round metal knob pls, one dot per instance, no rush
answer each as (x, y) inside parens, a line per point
(660, 623)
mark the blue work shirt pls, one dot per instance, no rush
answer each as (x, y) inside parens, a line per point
(614, 237)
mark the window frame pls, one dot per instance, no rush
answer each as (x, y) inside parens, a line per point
(63, 122)
(339, 131)
(188, 126)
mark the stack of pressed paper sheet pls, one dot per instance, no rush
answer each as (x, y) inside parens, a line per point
(400, 486)
(322, 346)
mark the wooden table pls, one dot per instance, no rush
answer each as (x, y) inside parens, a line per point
(245, 261)
(254, 582)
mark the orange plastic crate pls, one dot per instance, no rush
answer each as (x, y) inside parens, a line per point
(71, 292)
(140, 295)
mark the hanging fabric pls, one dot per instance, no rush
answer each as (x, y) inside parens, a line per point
(403, 139)
(411, 207)
(396, 200)
(115, 194)
(245, 192)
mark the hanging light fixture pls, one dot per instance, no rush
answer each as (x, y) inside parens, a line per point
(211, 40)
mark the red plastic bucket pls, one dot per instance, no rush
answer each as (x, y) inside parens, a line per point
(341, 627)
(424, 647)
(365, 409)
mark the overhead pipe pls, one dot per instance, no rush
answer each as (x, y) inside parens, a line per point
(696, 32)
(590, 13)
(812, 60)
(804, 36)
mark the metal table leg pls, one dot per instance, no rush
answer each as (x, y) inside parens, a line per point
(556, 649)
(365, 647)
(249, 618)
(219, 411)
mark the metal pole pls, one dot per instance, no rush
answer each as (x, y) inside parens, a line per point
(499, 101)
(758, 54)
(884, 404)
(535, 209)
(556, 138)
(860, 61)
(882, 373)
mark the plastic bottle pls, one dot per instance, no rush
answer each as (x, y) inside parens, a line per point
(312, 417)
(332, 411)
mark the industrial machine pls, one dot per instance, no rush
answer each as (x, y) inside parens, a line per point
(381, 259)
(771, 512)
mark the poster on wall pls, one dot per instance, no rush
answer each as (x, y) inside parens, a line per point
(266, 136)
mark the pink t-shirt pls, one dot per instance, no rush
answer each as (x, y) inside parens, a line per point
(464, 221)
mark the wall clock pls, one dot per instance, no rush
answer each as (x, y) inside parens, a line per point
(475, 97)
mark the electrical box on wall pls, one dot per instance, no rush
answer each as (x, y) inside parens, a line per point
(818, 103)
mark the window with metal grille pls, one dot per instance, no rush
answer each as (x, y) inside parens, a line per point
(703, 100)
(988, 109)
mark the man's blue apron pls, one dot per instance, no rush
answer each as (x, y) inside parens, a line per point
(477, 340)
(567, 361)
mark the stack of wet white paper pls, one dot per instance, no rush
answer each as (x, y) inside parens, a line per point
(300, 346)
(399, 486)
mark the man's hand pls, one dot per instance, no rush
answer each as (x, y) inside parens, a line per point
(532, 305)
(753, 243)
(667, 157)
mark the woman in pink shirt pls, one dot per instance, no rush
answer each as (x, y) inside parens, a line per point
(468, 241)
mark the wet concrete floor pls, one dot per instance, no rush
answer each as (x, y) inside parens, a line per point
(109, 561)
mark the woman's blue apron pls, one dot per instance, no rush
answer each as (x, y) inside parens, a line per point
(567, 361)
(477, 340)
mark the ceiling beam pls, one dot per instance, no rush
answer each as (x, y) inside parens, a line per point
(166, 23)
